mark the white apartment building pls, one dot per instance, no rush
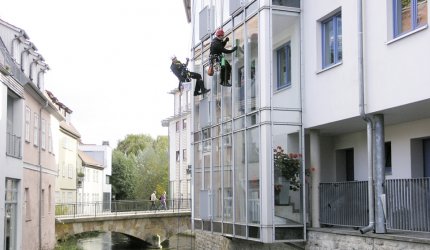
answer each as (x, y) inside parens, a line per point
(179, 145)
(103, 155)
(340, 87)
(89, 184)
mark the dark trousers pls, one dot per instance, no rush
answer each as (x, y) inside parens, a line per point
(225, 72)
(200, 86)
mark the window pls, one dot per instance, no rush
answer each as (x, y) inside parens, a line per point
(27, 123)
(36, 130)
(27, 204)
(331, 40)
(388, 165)
(49, 138)
(184, 154)
(43, 135)
(184, 123)
(283, 56)
(177, 126)
(177, 155)
(408, 15)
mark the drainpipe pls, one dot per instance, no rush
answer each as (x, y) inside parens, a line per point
(367, 119)
(40, 173)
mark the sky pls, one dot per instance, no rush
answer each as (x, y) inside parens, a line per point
(109, 60)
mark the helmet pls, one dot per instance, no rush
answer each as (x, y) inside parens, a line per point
(173, 58)
(219, 32)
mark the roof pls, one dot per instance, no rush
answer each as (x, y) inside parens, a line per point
(88, 160)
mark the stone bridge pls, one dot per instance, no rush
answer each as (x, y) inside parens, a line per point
(150, 227)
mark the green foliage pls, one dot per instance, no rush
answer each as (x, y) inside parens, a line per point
(124, 177)
(140, 166)
(132, 144)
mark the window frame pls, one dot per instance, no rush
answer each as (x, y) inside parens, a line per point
(287, 55)
(334, 19)
(27, 123)
(397, 16)
(36, 130)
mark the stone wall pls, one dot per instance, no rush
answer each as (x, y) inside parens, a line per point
(344, 239)
(327, 239)
(206, 240)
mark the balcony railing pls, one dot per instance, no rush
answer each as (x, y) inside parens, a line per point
(13, 145)
(407, 204)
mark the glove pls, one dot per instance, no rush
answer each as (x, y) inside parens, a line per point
(226, 39)
(234, 48)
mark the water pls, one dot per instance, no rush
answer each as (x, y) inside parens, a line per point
(118, 241)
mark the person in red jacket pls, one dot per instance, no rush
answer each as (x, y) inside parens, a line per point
(217, 48)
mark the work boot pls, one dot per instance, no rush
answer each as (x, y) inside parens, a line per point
(205, 91)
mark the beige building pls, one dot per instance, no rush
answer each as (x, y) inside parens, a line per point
(69, 137)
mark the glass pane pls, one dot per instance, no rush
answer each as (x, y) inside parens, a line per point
(216, 181)
(405, 16)
(227, 179)
(339, 37)
(226, 91)
(238, 73)
(289, 3)
(287, 174)
(239, 177)
(239, 123)
(422, 12)
(328, 39)
(253, 150)
(252, 64)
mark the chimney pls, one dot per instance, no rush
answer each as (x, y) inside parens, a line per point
(105, 143)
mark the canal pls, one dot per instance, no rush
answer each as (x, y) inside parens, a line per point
(118, 241)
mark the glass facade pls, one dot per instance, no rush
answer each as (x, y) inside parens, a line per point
(236, 129)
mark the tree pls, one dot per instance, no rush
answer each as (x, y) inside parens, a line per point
(145, 158)
(123, 177)
(132, 144)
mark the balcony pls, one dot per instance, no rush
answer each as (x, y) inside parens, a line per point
(13, 145)
(407, 204)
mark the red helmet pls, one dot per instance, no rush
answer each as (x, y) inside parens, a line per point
(219, 33)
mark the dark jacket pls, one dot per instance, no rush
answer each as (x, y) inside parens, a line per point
(217, 47)
(179, 70)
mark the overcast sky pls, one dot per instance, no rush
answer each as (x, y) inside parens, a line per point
(109, 60)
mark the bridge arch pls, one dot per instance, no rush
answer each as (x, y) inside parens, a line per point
(152, 228)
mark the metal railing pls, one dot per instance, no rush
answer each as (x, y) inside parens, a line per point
(95, 209)
(407, 204)
(13, 145)
(344, 203)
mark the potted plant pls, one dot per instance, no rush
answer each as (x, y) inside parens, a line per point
(80, 174)
(288, 166)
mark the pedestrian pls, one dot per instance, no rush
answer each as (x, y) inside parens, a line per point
(163, 201)
(216, 51)
(153, 199)
(183, 74)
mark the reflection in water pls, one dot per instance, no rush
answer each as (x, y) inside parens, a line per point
(118, 241)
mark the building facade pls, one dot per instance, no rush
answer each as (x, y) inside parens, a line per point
(66, 189)
(30, 122)
(89, 184)
(313, 89)
(179, 145)
(103, 155)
